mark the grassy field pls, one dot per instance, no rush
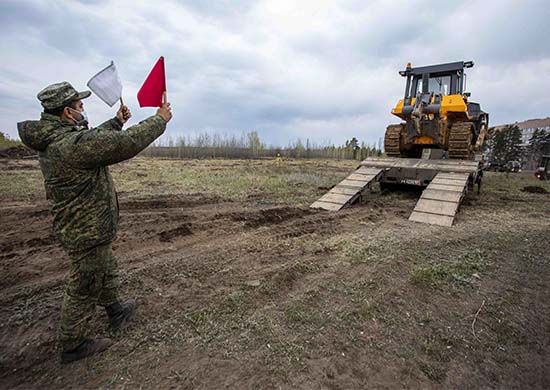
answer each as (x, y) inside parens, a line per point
(241, 285)
(6, 142)
(289, 181)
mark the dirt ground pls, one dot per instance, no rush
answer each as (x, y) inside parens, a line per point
(242, 286)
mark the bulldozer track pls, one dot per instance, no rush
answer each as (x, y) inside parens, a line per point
(460, 141)
(392, 141)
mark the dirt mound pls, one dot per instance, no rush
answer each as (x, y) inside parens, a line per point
(268, 216)
(19, 151)
(534, 190)
(168, 235)
(169, 202)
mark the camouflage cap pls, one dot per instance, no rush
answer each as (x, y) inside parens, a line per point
(60, 94)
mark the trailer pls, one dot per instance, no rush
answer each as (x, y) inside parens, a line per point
(445, 183)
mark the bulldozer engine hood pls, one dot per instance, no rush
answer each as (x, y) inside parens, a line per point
(39, 134)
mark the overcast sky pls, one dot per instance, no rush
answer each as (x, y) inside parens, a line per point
(323, 70)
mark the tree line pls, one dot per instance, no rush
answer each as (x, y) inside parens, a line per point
(250, 145)
(7, 142)
(505, 144)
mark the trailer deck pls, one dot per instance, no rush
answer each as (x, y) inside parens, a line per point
(446, 182)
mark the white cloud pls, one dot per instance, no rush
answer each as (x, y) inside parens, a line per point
(323, 70)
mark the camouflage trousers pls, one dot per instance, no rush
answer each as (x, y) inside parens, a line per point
(92, 281)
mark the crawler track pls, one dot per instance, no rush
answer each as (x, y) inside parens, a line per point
(460, 141)
(392, 141)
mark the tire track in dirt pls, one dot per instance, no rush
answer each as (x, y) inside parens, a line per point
(207, 242)
(220, 260)
(31, 255)
(27, 244)
(143, 235)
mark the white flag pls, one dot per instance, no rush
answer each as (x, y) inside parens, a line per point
(107, 85)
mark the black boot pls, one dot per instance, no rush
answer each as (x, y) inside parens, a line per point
(87, 348)
(120, 313)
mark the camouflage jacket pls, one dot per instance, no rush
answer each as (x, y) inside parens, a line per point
(74, 162)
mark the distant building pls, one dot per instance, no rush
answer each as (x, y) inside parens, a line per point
(528, 127)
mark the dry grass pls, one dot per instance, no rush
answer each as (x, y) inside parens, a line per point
(265, 293)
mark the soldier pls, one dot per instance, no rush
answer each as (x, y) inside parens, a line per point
(74, 160)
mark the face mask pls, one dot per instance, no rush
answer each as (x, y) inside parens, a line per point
(83, 117)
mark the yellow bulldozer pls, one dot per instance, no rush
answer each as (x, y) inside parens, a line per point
(437, 114)
(434, 148)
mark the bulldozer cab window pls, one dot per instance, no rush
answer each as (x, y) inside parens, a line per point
(440, 85)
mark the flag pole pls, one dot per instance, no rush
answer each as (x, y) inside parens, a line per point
(164, 98)
(121, 102)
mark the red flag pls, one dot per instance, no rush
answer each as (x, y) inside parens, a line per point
(150, 93)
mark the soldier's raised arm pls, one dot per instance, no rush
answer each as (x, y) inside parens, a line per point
(98, 147)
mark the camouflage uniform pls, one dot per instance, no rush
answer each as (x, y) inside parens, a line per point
(74, 162)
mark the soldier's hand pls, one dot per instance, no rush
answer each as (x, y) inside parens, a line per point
(123, 114)
(165, 111)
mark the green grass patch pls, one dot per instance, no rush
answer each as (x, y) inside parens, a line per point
(6, 142)
(460, 269)
(302, 314)
(235, 179)
(508, 186)
(298, 182)
(21, 184)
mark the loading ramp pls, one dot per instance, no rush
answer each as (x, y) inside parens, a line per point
(439, 202)
(348, 190)
(446, 183)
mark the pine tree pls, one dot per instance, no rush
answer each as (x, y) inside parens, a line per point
(539, 144)
(504, 145)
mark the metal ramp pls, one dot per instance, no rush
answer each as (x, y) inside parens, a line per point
(446, 180)
(439, 202)
(348, 190)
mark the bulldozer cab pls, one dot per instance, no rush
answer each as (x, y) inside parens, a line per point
(443, 80)
(437, 85)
